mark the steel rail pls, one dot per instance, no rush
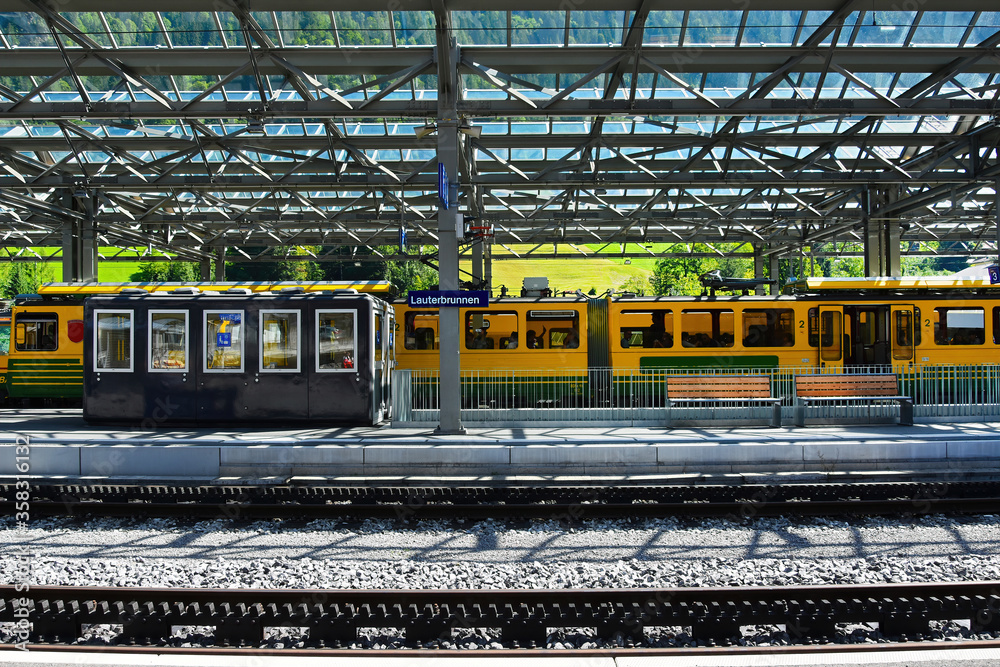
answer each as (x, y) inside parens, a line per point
(519, 617)
(568, 511)
(573, 502)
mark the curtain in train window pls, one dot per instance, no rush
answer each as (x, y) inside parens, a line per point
(168, 340)
(224, 340)
(113, 340)
(959, 326)
(337, 335)
(279, 340)
(36, 331)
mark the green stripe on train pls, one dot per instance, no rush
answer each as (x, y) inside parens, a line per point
(45, 378)
(720, 360)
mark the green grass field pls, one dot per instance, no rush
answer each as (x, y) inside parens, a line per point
(567, 275)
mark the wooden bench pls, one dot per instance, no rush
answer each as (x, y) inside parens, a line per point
(830, 389)
(706, 389)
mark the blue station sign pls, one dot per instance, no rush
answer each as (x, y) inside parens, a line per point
(448, 299)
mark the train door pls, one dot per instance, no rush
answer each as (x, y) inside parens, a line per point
(383, 326)
(902, 332)
(868, 341)
(831, 337)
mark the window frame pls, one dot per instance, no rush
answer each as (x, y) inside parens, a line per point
(131, 339)
(354, 339)
(298, 342)
(204, 342)
(187, 342)
(31, 316)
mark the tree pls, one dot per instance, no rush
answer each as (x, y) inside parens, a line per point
(165, 272)
(23, 278)
(680, 274)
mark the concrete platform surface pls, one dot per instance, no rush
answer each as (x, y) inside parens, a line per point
(61, 444)
(971, 657)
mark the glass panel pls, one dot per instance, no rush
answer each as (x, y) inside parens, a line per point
(832, 335)
(548, 329)
(959, 326)
(336, 332)
(903, 335)
(279, 341)
(707, 328)
(4, 339)
(378, 337)
(224, 340)
(168, 341)
(36, 331)
(768, 327)
(114, 341)
(420, 331)
(646, 328)
(490, 330)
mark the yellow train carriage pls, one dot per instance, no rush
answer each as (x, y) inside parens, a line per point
(518, 352)
(45, 359)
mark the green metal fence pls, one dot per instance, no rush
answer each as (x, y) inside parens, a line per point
(638, 397)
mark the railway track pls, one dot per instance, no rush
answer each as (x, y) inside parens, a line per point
(495, 502)
(521, 619)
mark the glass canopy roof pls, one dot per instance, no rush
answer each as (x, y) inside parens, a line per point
(773, 129)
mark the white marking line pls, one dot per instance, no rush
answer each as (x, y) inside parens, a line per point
(928, 656)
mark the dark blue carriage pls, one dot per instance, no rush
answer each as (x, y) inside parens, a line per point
(231, 357)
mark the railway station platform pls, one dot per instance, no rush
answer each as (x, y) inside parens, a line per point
(953, 656)
(62, 446)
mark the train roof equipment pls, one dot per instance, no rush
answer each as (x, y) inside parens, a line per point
(377, 287)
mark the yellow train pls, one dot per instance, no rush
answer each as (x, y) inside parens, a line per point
(826, 323)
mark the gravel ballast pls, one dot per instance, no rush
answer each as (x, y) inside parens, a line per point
(494, 555)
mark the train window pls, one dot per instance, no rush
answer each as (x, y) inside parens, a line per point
(768, 327)
(4, 339)
(996, 325)
(113, 341)
(490, 330)
(378, 336)
(813, 318)
(959, 326)
(420, 331)
(336, 332)
(548, 329)
(833, 335)
(224, 341)
(646, 328)
(280, 341)
(707, 328)
(36, 331)
(902, 325)
(168, 340)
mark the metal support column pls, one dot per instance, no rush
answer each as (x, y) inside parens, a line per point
(773, 273)
(882, 237)
(449, 325)
(477, 261)
(220, 264)
(758, 269)
(872, 238)
(205, 270)
(79, 241)
(488, 264)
